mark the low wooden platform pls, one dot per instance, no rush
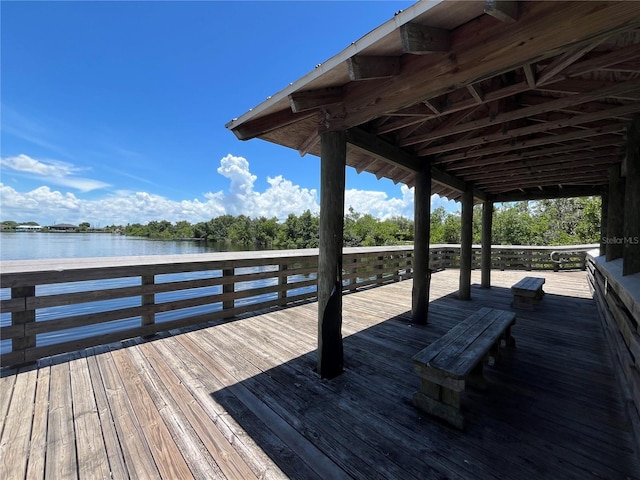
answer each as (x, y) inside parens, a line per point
(241, 399)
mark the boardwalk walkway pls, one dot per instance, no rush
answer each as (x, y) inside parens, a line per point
(241, 400)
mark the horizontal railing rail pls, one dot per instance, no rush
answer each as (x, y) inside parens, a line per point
(62, 305)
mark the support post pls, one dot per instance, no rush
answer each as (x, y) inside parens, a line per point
(333, 153)
(464, 290)
(422, 224)
(631, 228)
(227, 289)
(487, 223)
(615, 218)
(604, 212)
(23, 319)
(148, 301)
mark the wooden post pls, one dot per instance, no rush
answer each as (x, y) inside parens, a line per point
(487, 222)
(333, 153)
(23, 318)
(615, 216)
(283, 282)
(464, 291)
(148, 300)
(631, 229)
(604, 212)
(228, 287)
(422, 224)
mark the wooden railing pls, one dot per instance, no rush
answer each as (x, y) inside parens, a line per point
(56, 306)
(618, 299)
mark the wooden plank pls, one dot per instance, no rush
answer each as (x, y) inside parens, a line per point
(230, 463)
(113, 447)
(318, 463)
(38, 443)
(91, 453)
(187, 365)
(191, 448)
(137, 455)
(165, 453)
(61, 460)
(16, 431)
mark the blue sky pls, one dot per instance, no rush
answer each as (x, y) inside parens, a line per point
(115, 112)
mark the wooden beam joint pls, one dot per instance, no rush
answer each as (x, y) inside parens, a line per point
(365, 67)
(420, 39)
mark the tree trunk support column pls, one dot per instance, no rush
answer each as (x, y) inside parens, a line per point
(464, 291)
(615, 217)
(604, 213)
(422, 224)
(631, 244)
(333, 154)
(487, 223)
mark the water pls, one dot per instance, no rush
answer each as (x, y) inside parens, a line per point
(35, 245)
(39, 245)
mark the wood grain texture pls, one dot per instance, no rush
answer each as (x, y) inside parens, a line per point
(243, 394)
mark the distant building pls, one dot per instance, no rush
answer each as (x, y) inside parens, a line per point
(62, 227)
(28, 228)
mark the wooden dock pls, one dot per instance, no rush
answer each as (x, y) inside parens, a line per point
(240, 399)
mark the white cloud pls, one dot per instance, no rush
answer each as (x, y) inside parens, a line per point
(379, 204)
(54, 172)
(26, 164)
(47, 205)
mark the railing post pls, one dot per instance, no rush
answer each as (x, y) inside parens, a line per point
(228, 287)
(381, 268)
(148, 301)
(24, 318)
(283, 281)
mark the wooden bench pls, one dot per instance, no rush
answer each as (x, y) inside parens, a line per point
(458, 357)
(527, 293)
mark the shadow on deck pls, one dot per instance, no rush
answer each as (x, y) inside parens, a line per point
(241, 399)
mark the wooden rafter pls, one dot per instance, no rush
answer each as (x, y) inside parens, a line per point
(546, 90)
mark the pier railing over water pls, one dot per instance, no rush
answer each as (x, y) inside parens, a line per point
(62, 305)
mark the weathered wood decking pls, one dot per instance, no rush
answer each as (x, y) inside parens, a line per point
(241, 400)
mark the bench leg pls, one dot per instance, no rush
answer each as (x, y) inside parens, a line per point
(476, 379)
(439, 401)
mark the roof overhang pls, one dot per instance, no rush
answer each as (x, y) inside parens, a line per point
(517, 99)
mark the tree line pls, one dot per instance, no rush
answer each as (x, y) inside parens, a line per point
(546, 222)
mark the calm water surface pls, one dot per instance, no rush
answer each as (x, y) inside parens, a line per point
(40, 245)
(35, 245)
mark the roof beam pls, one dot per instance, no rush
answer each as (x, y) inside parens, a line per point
(472, 164)
(563, 61)
(267, 123)
(536, 142)
(585, 159)
(478, 51)
(400, 158)
(565, 192)
(314, 99)
(420, 39)
(575, 178)
(537, 128)
(503, 10)
(365, 67)
(519, 113)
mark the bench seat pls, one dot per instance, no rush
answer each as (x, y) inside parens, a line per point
(527, 293)
(457, 358)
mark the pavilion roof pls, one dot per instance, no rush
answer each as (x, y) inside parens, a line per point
(523, 100)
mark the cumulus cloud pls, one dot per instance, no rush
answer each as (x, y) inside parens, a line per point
(54, 172)
(379, 204)
(280, 198)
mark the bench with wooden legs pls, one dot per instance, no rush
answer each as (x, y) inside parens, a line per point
(527, 293)
(457, 358)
